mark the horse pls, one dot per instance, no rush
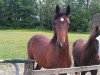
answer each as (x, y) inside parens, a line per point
(52, 53)
(86, 53)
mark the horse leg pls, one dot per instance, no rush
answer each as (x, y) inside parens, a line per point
(83, 73)
(33, 65)
(93, 72)
(76, 65)
(38, 67)
(30, 56)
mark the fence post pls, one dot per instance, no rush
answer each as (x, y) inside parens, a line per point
(17, 68)
(56, 73)
(28, 69)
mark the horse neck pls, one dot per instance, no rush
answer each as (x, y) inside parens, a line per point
(88, 52)
(90, 47)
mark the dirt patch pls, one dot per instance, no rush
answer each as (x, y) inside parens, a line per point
(9, 69)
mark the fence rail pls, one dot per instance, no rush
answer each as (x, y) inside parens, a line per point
(65, 70)
(16, 61)
(29, 68)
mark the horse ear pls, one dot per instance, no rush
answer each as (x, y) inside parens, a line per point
(97, 28)
(57, 9)
(68, 10)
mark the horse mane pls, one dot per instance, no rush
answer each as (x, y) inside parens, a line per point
(54, 39)
(89, 52)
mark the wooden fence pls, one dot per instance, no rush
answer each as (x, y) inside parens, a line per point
(29, 68)
(58, 71)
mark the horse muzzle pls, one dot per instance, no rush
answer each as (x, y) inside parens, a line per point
(61, 45)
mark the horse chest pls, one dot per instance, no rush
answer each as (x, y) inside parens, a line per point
(57, 64)
(58, 60)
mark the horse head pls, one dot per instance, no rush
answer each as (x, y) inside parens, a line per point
(97, 45)
(61, 26)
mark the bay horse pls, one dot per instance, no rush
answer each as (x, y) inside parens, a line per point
(86, 53)
(52, 53)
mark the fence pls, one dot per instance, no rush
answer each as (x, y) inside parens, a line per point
(15, 61)
(59, 70)
(29, 68)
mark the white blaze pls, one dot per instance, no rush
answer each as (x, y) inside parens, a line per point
(61, 19)
(98, 38)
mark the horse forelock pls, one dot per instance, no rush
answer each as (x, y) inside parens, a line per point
(59, 15)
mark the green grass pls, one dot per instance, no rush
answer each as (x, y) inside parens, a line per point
(75, 36)
(13, 43)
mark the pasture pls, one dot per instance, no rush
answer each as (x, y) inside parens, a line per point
(13, 43)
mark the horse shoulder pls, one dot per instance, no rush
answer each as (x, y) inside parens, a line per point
(79, 44)
(77, 49)
(38, 46)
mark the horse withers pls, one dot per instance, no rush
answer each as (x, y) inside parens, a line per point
(52, 53)
(87, 53)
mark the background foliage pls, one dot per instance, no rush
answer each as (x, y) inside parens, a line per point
(34, 14)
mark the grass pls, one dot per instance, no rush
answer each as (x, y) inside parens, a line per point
(13, 43)
(75, 36)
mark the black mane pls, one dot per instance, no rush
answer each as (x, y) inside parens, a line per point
(54, 39)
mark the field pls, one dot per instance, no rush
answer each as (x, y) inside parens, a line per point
(13, 43)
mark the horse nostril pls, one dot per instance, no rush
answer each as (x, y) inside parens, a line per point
(61, 45)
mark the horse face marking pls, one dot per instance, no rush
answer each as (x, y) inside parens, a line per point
(62, 19)
(98, 39)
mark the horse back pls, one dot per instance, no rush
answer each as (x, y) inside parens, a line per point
(77, 49)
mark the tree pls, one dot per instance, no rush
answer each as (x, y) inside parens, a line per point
(47, 12)
(32, 13)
